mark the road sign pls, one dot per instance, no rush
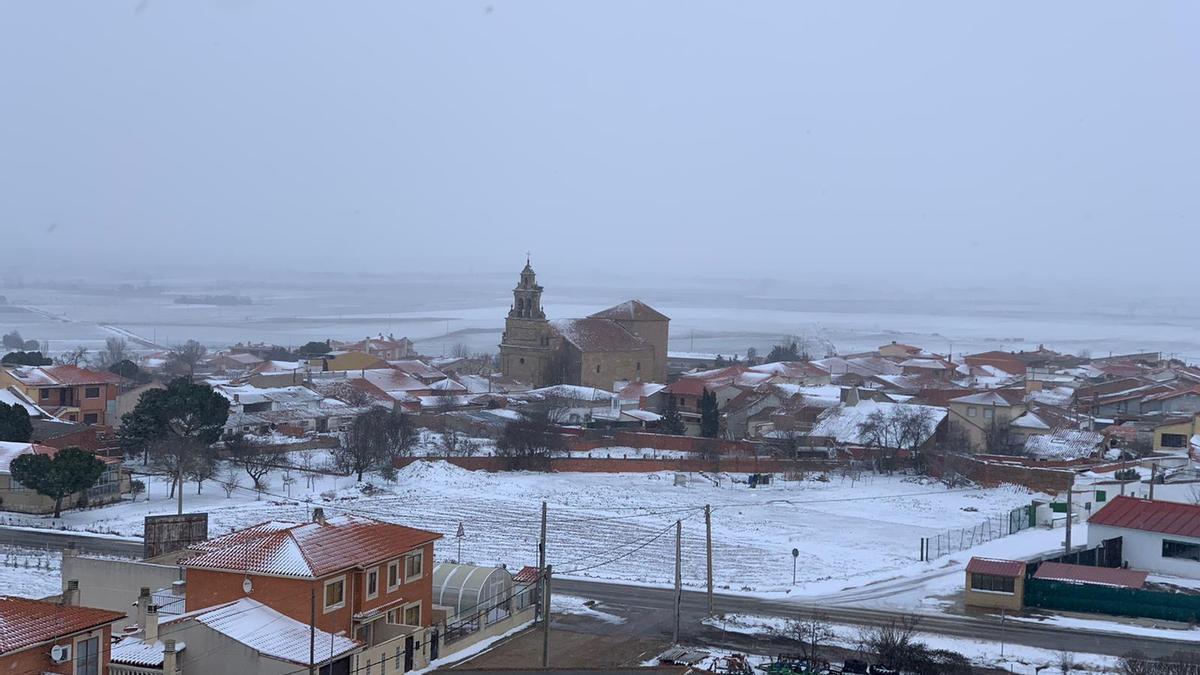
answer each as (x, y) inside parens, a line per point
(795, 553)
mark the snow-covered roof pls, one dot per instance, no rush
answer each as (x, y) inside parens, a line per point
(571, 392)
(447, 385)
(10, 451)
(597, 335)
(270, 633)
(983, 398)
(1053, 396)
(134, 651)
(636, 391)
(1030, 421)
(308, 550)
(631, 310)
(1064, 444)
(829, 394)
(13, 396)
(642, 415)
(842, 422)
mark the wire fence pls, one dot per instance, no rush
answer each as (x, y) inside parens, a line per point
(990, 528)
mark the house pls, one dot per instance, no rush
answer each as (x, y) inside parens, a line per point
(388, 349)
(800, 373)
(985, 416)
(1178, 401)
(37, 636)
(346, 360)
(895, 350)
(1161, 537)
(236, 362)
(112, 484)
(995, 583)
(843, 423)
(371, 580)
(240, 636)
(1172, 433)
(68, 392)
(128, 395)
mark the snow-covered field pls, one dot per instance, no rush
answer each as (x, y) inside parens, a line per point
(618, 526)
(30, 572)
(1018, 658)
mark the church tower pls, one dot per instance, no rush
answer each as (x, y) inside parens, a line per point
(527, 348)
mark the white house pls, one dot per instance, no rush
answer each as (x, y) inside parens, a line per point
(1156, 536)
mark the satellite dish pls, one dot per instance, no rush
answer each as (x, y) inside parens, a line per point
(247, 585)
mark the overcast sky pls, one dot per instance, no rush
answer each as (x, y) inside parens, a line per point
(934, 139)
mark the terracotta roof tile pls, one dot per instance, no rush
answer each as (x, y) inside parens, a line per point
(1086, 574)
(25, 622)
(308, 550)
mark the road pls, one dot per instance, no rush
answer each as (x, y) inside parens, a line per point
(648, 611)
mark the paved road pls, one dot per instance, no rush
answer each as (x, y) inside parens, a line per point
(648, 611)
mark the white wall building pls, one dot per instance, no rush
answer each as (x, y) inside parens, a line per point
(1156, 536)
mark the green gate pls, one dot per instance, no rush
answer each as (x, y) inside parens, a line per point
(1111, 600)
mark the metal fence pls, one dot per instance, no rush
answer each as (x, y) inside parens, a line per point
(990, 528)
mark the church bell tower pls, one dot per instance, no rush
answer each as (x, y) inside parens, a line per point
(526, 348)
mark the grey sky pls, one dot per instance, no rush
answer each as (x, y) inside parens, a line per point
(926, 138)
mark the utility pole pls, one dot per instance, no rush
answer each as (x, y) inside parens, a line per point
(542, 563)
(1070, 514)
(1153, 475)
(179, 490)
(678, 577)
(312, 632)
(708, 553)
(546, 619)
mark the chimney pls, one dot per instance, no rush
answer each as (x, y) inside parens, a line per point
(318, 515)
(179, 588)
(850, 396)
(143, 602)
(70, 596)
(237, 398)
(151, 631)
(169, 662)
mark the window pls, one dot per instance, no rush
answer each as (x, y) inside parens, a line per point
(992, 583)
(1180, 549)
(639, 365)
(1174, 440)
(87, 656)
(597, 367)
(91, 392)
(44, 393)
(413, 565)
(373, 583)
(412, 615)
(522, 359)
(393, 575)
(988, 413)
(970, 411)
(90, 418)
(335, 594)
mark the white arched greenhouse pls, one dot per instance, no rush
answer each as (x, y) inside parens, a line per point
(468, 590)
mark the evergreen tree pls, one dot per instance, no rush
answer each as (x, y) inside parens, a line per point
(710, 415)
(176, 424)
(20, 358)
(71, 470)
(672, 421)
(788, 352)
(15, 426)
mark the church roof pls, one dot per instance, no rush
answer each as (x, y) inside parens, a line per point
(631, 310)
(597, 335)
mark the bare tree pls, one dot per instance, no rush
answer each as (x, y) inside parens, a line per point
(255, 458)
(184, 358)
(75, 357)
(116, 349)
(811, 634)
(230, 480)
(460, 350)
(892, 643)
(529, 443)
(374, 439)
(902, 428)
(1065, 661)
(202, 467)
(996, 438)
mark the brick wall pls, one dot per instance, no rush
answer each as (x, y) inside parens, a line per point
(620, 465)
(991, 474)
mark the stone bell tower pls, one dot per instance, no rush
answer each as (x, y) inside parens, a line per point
(527, 348)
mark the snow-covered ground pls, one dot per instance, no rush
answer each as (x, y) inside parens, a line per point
(981, 652)
(620, 526)
(30, 572)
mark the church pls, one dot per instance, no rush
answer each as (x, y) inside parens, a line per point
(625, 342)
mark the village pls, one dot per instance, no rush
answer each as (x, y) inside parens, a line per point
(347, 505)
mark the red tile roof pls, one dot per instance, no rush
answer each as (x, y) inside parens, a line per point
(1086, 574)
(25, 623)
(687, 386)
(528, 574)
(631, 310)
(308, 550)
(1151, 516)
(996, 566)
(67, 376)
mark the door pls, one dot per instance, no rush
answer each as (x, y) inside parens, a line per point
(408, 653)
(433, 646)
(1111, 549)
